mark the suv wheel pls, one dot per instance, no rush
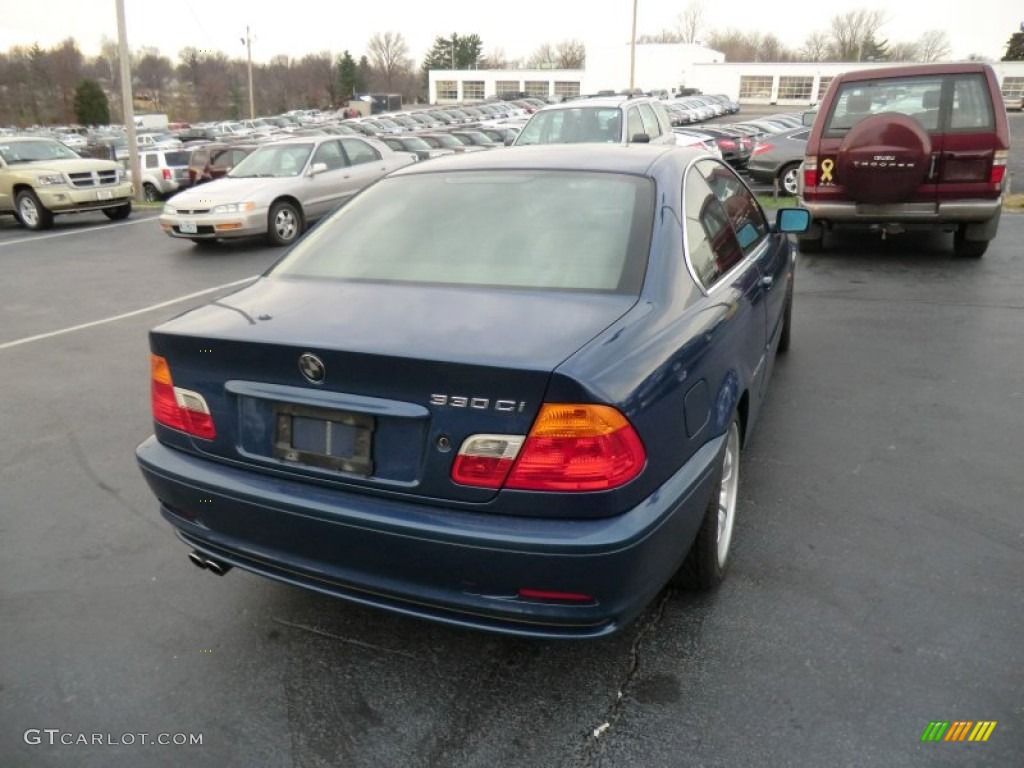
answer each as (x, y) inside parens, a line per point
(31, 212)
(151, 193)
(121, 212)
(968, 249)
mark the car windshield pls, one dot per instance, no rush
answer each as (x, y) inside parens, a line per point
(32, 151)
(573, 126)
(277, 161)
(446, 140)
(176, 158)
(414, 142)
(537, 230)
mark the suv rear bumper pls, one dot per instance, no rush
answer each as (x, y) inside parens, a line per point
(956, 211)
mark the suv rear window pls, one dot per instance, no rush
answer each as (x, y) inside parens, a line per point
(176, 159)
(573, 125)
(916, 97)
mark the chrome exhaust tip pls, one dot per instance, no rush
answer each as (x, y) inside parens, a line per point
(217, 567)
(197, 559)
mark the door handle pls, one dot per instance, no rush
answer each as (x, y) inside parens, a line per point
(767, 281)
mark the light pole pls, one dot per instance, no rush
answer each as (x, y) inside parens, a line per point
(127, 106)
(247, 42)
(632, 51)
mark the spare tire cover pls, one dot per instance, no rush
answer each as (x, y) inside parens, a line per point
(883, 158)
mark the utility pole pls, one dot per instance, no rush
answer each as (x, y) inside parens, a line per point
(632, 52)
(247, 42)
(128, 107)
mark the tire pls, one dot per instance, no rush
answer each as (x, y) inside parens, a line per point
(706, 562)
(812, 244)
(204, 242)
(789, 179)
(30, 211)
(968, 249)
(150, 193)
(787, 324)
(284, 223)
(121, 212)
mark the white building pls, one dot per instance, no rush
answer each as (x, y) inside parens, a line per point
(668, 67)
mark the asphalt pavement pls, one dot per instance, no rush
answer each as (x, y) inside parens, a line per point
(877, 581)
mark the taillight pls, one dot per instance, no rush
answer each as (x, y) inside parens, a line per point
(485, 460)
(178, 408)
(759, 148)
(998, 167)
(569, 448)
(726, 144)
(810, 171)
(167, 173)
(578, 448)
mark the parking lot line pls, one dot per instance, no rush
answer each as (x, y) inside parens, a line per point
(106, 228)
(125, 315)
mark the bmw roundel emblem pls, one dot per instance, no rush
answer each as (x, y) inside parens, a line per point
(312, 368)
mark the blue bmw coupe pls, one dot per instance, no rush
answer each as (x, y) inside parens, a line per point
(505, 390)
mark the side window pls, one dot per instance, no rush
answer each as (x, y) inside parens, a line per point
(651, 125)
(330, 154)
(972, 108)
(359, 152)
(222, 160)
(634, 124)
(745, 215)
(151, 161)
(711, 245)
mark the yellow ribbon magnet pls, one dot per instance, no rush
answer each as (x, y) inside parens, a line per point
(826, 171)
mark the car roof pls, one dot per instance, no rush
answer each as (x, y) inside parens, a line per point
(597, 101)
(636, 159)
(942, 68)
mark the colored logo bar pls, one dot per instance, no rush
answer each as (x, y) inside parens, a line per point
(958, 730)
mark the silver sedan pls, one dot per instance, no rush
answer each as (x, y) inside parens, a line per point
(280, 188)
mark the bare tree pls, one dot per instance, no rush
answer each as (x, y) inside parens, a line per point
(153, 71)
(543, 56)
(663, 36)
(816, 47)
(736, 45)
(903, 52)
(933, 45)
(690, 23)
(848, 32)
(572, 54)
(389, 54)
(495, 59)
(66, 70)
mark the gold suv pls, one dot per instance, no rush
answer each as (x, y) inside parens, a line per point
(40, 178)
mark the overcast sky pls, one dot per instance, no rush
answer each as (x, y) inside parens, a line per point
(298, 27)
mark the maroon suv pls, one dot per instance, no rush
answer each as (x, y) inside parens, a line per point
(909, 148)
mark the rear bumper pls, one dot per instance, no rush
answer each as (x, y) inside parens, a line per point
(456, 567)
(953, 211)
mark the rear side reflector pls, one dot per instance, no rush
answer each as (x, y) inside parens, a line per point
(761, 148)
(554, 596)
(810, 171)
(578, 448)
(178, 408)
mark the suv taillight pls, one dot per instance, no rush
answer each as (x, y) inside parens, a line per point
(167, 173)
(810, 171)
(998, 166)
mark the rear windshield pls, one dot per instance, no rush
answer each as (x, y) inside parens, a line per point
(573, 125)
(176, 158)
(916, 97)
(541, 230)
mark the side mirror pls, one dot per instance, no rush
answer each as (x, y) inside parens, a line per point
(793, 220)
(317, 168)
(807, 118)
(640, 138)
(510, 140)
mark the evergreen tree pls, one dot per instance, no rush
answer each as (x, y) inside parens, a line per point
(454, 52)
(1015, 47)
(91, 106)
(347, 76)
